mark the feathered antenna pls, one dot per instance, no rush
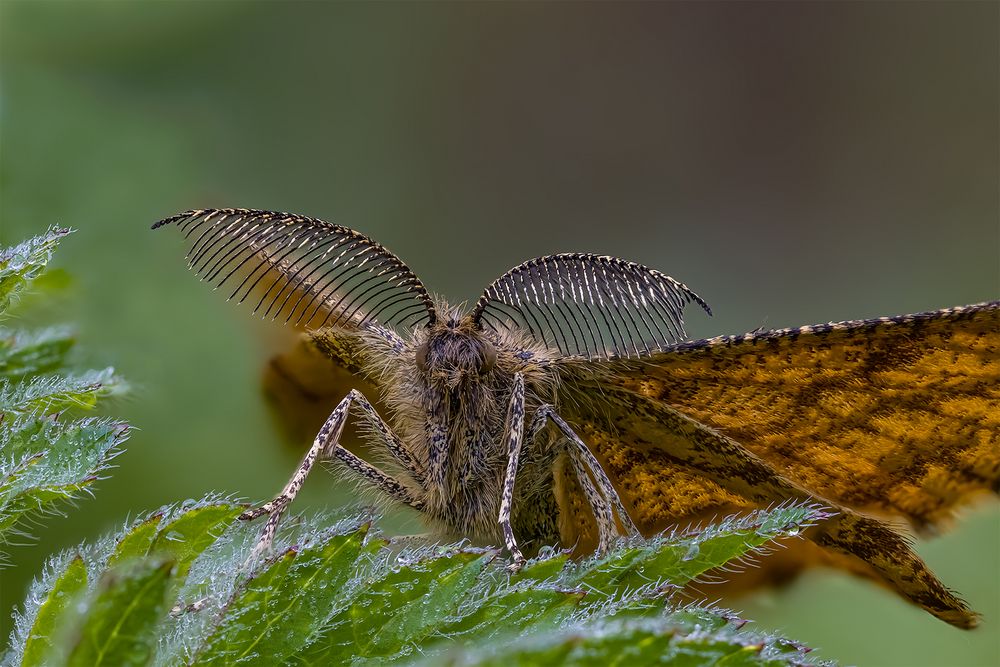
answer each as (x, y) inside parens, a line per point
(312, 272)
(589, 305)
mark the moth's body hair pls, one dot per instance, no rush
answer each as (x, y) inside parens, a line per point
(459, 479)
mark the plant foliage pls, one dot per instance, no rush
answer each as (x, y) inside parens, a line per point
(45, 457)
(177, 587)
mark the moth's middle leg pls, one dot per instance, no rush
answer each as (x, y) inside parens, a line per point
(604, 500)
(327, 445)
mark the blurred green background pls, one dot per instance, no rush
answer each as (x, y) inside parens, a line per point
(793, 163)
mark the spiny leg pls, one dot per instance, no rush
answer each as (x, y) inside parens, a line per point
(391, 441)
(326, 444)
(515, 435)
(598, 504)
(590, 461)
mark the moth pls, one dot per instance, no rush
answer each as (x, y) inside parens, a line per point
(567, 406)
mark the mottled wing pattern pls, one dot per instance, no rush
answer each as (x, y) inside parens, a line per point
(587, 305)
(307, 272)
(896, 415)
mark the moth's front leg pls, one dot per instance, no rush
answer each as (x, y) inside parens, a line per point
(515, 436)
(327, 445)
(604, 500)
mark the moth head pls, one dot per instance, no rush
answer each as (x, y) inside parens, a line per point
(455, 352)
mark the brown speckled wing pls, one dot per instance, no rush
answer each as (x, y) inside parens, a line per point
(897, 415)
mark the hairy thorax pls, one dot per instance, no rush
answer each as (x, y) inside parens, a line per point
(448, 389)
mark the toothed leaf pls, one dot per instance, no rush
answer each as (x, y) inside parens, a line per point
(184, 538)
(43, 462)
(679, 557)
(48, 394)
(137, 541)
(397, 607)
(515, 607)
(337, 595)
(645, 642)
(278, 610)
(23, 263)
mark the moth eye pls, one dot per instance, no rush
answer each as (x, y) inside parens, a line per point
(422, 357)
(489, 359)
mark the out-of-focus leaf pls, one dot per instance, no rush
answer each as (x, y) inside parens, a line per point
(24, 354)
(52, 613)
(617, 643)
(119, 626)
(53, 393)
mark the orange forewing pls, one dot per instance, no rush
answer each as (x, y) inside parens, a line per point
(899, 416)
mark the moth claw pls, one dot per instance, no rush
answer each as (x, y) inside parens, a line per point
(516, 564)
(252, 513)
(275, 506)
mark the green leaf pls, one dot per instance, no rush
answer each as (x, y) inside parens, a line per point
(43, 462)
(451, 579)
(681, 556)
(540, 569)
(277, 611)
(402, 604)
(54, 393)
(119, 627)
(24, 354)
(336, 596)
(52, 613)
(24, 262)
(137, 541)
(626, 643)
(184, 538)
(513, 608)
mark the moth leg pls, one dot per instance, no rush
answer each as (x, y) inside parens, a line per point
(580, 455)
(326, 445)
(515, 436)
(606, 528)
(385, 435)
